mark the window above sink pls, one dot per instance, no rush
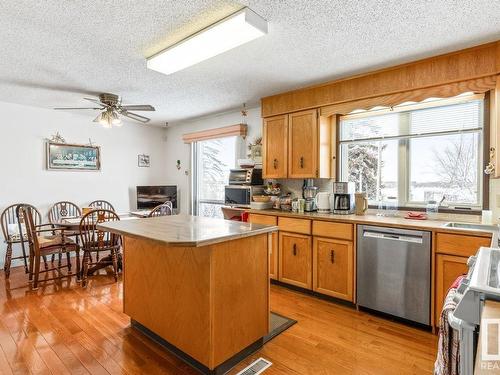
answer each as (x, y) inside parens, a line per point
(417, 152)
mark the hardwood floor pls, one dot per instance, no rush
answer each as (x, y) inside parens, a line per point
(65, 329)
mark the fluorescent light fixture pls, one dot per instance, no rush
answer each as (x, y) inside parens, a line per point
(237, 29)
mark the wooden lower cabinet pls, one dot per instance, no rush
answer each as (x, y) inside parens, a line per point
(333, 268)
(273, 256)
(448, 268)
(273, 241)
(295, 259)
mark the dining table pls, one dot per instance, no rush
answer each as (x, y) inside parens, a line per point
(72, 223)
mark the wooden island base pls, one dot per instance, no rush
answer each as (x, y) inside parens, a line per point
(209, 305)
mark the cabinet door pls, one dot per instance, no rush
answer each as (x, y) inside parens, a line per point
(273, 241)
(333, 267)
(303, 144)
(275, 138)
(295, 258)
(273, 256)
(448, 268)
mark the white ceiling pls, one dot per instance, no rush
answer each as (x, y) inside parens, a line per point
(54, 52)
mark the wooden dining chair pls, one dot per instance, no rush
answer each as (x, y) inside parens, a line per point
(101, 205)
(63, 209)
(44, 240)
(164, 209)
(94, 240)
(14, 232)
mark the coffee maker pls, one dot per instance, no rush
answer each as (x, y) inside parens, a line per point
(343, 198)
(309, 192)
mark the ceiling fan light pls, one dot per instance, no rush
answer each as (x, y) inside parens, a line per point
(103, 118)
(115, 120)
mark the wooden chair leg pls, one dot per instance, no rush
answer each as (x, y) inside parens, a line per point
(78, 271)
(37, 273)
(86, 256)
(45, 264)
(68, 259)
(31, 267)
(53, 258)
(8, 260)
(115, 264)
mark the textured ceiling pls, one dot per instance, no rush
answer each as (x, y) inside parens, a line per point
(54, 52)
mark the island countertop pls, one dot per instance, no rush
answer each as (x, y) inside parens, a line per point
(186, 230)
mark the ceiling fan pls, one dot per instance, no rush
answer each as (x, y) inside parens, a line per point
(111, 109)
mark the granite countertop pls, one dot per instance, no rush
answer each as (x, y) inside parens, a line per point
(436, 225)
(186, 230)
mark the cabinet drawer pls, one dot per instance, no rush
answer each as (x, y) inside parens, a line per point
(342, 231)
(457, 244)
(294, 225)
(263, 219)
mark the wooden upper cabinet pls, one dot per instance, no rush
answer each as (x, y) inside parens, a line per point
(333, 268)
(303, 137)
(275, 141)
(299, 145)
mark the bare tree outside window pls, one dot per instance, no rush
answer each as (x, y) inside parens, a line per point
(215, 157)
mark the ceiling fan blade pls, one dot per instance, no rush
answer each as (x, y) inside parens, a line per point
(138, 107)
(63, 108)
(135, 116)
(97, 102)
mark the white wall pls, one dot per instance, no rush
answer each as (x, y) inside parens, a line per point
(23, 173)
(177, 150)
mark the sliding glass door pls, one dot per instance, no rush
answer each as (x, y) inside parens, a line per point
(212, 159)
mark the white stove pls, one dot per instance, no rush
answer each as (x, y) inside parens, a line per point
(481, 283)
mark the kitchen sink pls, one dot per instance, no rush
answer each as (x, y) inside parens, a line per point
(486, 228)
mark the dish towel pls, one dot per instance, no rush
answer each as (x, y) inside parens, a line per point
(448, 358)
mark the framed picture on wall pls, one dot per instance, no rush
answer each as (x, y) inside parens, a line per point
(71, 157)
(143, 160)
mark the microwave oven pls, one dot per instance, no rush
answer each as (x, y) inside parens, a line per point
(249, 176)
(241, 195)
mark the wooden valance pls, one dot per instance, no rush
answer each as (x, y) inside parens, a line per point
(226, 131)
(480, 85)
(470, 64)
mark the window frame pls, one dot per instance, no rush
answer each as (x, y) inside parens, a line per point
(195, 181)
(404, 150)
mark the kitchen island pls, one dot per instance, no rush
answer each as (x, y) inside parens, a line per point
(198, 286)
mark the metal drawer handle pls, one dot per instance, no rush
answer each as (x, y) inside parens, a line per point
(332, 256)
(275, 163)
(301, 162)
(294, 249)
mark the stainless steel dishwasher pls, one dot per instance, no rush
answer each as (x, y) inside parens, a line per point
(394, 271)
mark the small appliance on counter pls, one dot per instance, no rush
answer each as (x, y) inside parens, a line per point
(343, 198)
(309, 192)
(322, 202)
(241, 195)
(246, 176)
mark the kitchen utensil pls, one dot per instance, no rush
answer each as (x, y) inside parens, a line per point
(302, 204)
(360, 203)
(261, 198)
(261, 205)
(322, 201)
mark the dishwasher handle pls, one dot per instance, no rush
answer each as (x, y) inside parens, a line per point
(393, 237)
